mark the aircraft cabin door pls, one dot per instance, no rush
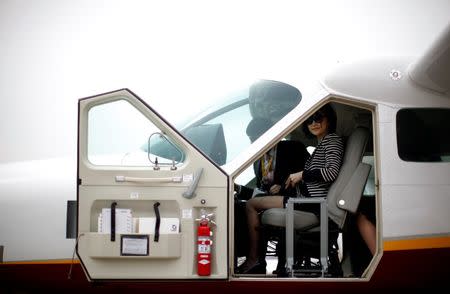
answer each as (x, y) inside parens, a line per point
(141, 188)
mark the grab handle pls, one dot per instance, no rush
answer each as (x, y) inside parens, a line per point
(148, 180)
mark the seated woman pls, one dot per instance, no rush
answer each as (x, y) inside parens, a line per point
(321, 169)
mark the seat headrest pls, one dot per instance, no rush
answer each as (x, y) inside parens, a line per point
(355, 146)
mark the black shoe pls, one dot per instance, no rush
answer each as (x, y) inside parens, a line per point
(246, 269)
(280, 272)
(281, 268)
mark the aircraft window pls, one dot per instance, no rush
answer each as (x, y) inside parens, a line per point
(369, 188)
(235, 137)
(220, 132)
(422, 134)
(116, 132)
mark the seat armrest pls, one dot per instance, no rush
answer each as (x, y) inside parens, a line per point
(351, 195)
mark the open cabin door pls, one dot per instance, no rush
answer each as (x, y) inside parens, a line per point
(134, 165)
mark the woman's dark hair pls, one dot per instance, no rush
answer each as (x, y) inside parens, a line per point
(328, 112)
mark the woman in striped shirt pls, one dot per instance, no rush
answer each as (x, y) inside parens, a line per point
(321, 169)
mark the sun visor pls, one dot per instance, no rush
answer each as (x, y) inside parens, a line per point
(272, 100)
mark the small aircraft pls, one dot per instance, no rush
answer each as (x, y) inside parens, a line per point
(147, 190)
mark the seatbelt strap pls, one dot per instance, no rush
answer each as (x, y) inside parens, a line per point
(113, 221)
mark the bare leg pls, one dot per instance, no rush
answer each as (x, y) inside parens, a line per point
(367, 231)
(254, 206)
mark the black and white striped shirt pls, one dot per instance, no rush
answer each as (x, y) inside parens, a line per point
(322, 167)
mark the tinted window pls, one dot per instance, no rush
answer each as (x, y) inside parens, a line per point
(423, 134)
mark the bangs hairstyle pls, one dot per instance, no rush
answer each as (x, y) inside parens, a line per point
(328, 111)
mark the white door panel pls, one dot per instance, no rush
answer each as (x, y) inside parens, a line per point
(112, 128)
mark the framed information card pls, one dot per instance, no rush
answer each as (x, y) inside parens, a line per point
(134, 245)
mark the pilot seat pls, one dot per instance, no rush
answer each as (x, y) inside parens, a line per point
(314, 238)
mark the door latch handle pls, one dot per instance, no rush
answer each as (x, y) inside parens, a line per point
(189, 193)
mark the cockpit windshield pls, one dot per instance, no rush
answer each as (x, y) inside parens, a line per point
(229, 126)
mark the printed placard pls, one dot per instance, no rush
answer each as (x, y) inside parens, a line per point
(134, 245)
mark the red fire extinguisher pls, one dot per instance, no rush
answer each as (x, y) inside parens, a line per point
(204, 244)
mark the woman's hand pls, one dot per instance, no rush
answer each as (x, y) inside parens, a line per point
(275, 189)
(293, 179)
